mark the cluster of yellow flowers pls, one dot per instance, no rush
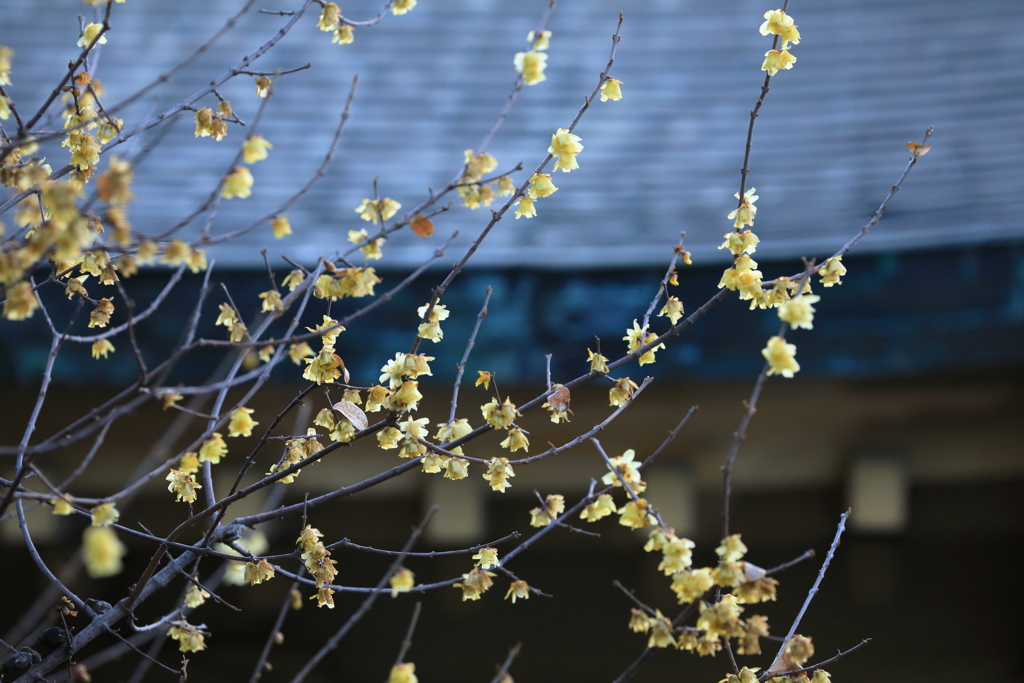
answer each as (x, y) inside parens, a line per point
(554, 505)
(189, 637)
(779, 23)
(478, 580)
(324, 366)
(339, 283)
(474, 193)
(531, 64)
(431, 327)
(564, 147)
(296, 450)
(317, 559)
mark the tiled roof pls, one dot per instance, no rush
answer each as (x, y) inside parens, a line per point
(830, 141)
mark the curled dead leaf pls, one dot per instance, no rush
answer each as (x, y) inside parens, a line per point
(559, 399)
(918, 150)
(422, 226)
(751, 572)
(353, 413)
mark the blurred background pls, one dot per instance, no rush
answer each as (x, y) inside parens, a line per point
(907, 408)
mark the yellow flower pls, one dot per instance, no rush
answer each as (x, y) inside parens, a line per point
(189, 463)
(800, 649)
(637, 337)
(691, 585)
(190, 638)
(541, 186)
(498, 473)
(565, 146)
(343, 35)
(403, 673)
(781, 357)
(500, 416)
(598, 363)
(781, 24)
(195, 596)
(61, 506)
(407, 397)
(241, 424)
(830, 272)
(485, 379)
(634, 514)
(610, 90)
(515, 440)
(798, 312)
(255, 149)
(399, 7)
(677, 555)
(661, 631)
(5, 64)
(456, 468)
(89, 34)
(263, 86)
(182, 484)
(673, 309)
(639, 622)
(519, 590)
(104, 514)
(330, 15)
(525, 208)
(475, 584)
(602, 507)
(258, 572)
(741, 242)
(487, 558)
(775, 61)
(101, 348)
(629, 470)
(431, 329)
(213, 449)
(401, 581)
(323, 597)
(238, 183)
(542, 42)
(744, 215)
(21, 302)
(531, 65)
(732, 549)
(622, 391)
(102, 552)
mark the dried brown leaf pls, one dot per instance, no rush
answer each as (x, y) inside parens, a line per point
(422, 226)
(918, 150)
(353, 413)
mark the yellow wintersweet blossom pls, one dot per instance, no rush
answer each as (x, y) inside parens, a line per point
(485, 379)
(690, 585)
(195, 596)
(830, 272)
(541, 42)
(638, 337)
(405, 398)
(732, 549)
(610, 90)
(565, 146)
(781, 357)
(255, 149)
(102, 552)
(500, 416)
(241, 424)
(800, 649)
(515, 440)
(622, 391)
(431, 329)
(190, 638)
(213, 449)
(600, 508)
(531, 65)
(263, 86)
(330, 15)
(487, 558)
(475, 584)
(401, 581)
(740, 242)
(744, 214)
(89, 34)
(519, 590)
(369, 209)
(541, 186)
(554, 505)
(21, 302)
(61, 506)
(403, 673)
(104, 514)
(208, 125)
(598, 363)
(271, 301)
(189, 463)
(182, 484)
(635, 515)
(781, 24)
(343, 35)
(525, 208)
(101, 348)
(498, 473)
(258, 572)
(625, 467)
(661, 633)
(323, 597)
(673, 309)
(238, 183)
(456, 468)
(798, 312)
(5, 64)
(400, 7)
(776, 60)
